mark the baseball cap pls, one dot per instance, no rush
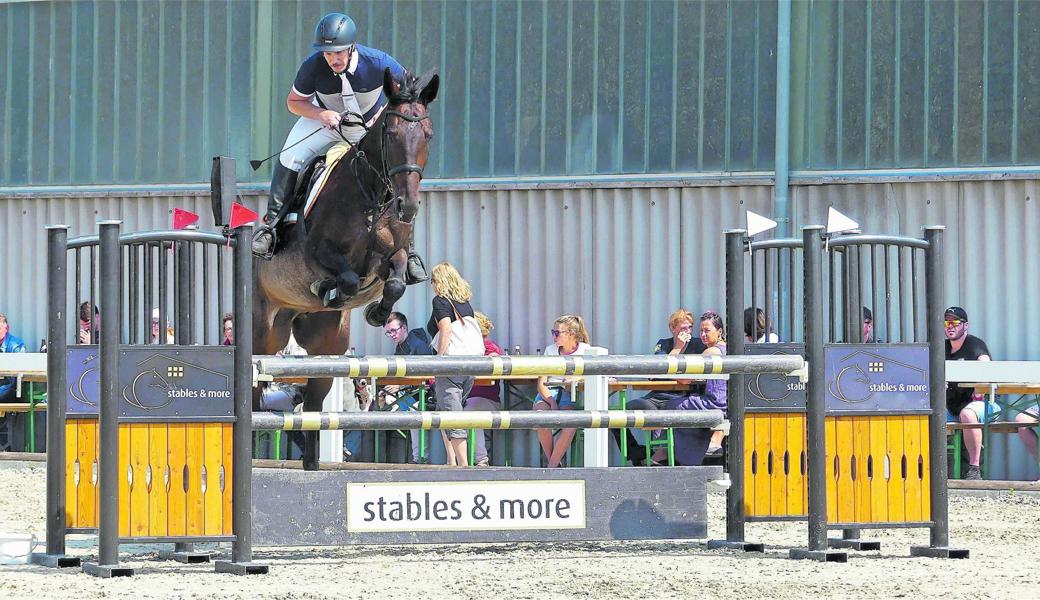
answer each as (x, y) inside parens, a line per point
(958, 312)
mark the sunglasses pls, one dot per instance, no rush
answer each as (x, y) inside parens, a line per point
(392, 332)
(556, 332)
(953, 322)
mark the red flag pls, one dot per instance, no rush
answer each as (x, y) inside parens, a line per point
(241, 215)
(182, 218)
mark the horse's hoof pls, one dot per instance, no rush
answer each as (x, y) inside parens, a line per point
(375, 316)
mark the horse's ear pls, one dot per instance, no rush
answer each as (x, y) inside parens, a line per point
(430, 83)
(390, 86)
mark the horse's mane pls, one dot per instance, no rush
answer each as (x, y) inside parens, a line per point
(409, 90)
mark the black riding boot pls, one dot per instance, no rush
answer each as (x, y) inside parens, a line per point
(282, 185)
(416, 269)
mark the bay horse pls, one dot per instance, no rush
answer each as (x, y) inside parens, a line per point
(352, 247)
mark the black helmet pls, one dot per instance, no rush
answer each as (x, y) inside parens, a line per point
(335, 32)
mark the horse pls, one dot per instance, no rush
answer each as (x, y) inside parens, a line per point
(352, 248)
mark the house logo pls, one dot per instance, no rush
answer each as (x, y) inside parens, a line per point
(872, 374)
(161, 379)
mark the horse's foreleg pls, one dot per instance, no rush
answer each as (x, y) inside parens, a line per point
(393, 289)
(346, 284)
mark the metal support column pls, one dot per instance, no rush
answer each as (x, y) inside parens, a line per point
(935, 291)
(108, 410)
(812, 258)
(57, 340)
(735, 514)
(242, 452)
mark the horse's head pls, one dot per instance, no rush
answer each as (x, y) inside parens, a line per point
(405, 136)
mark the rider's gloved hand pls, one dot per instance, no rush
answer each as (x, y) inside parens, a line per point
(329, 118)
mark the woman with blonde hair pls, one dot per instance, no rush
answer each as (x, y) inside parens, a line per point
(570, 338)
(451, 303)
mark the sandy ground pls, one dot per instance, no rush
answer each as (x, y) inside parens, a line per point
(1003, 535)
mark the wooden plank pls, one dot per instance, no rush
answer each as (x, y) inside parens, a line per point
(846, 496)
(158, 495)
(86, 490)
(830, 449)
(71, 488)
(177, 500)
(926, 474)
(138, 476)
(762, 449)
(912, 450)
(750, 421)
(896, 484)
(878, 483)
(860, 479)
(195, 502)
(213, 455)
(797, 482)
(228, 430)
(777, 476)
(123, 498)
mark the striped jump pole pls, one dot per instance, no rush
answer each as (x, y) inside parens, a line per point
(498, 366)
(594, 419)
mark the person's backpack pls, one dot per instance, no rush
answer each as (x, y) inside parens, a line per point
(466, 339)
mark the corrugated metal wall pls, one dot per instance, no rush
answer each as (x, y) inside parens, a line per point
(610, 254)
(144, 92)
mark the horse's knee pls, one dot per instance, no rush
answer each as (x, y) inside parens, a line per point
(393, 289)
(349, 282)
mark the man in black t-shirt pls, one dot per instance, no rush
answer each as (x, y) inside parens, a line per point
(963, 405)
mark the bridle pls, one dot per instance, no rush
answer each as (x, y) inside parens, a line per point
(384, 173)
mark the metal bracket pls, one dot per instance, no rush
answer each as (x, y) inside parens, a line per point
(802, 373)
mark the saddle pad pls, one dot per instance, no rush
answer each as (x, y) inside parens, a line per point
(333, 156)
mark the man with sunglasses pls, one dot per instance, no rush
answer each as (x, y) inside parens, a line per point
(964, 405)
(341, 75)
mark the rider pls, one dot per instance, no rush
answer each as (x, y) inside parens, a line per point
(340, 76)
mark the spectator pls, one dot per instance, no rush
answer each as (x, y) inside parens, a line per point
(682, 341)
(964, 405)
(484, 397)
(689, 442)
(8, 343)
(570, 338)
(755, 327)
(868, 327)
(406, 343)
(1028, 434)
(89, 331)
(170, 338)
(451, 304)
(228, 323)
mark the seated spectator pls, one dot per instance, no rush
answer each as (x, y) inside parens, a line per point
(689, 443)
(964, 405)
(682, 341)
(755, 327)
(484, 397)
(170, 338)
(89, 331)
(1028, 434)
(868, 327)
(570, 338)
(9, 343)
(228, 324)
(415, 342)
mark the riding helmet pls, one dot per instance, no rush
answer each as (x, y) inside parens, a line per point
(335, 32)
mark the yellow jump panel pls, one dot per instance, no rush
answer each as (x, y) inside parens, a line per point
(774, 465)
(174, 479)
(878, 468)
(81, 490)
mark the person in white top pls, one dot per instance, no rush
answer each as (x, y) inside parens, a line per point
(569, 338)
(755, 327)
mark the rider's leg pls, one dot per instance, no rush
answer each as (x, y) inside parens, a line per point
(301, 145)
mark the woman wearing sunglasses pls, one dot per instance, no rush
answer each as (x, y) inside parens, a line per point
(570, 338)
